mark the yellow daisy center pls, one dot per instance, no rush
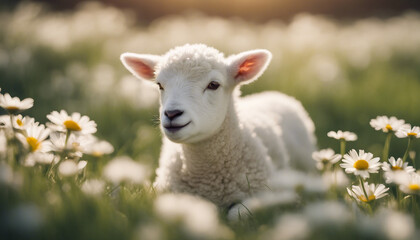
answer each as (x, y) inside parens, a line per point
(33, 143)
(396, 168)
(361, 164)
(412, 134)
(72, 125)
(388, 127)
(12, 108)
(19, 122)
(97, 154)
(414, 187)
(370, 198)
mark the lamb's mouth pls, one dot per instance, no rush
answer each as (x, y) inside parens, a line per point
(174, 128)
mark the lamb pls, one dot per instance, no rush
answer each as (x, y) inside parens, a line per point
(216, 144)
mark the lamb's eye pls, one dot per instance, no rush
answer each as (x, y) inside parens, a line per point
(213, 85)
(160, 86)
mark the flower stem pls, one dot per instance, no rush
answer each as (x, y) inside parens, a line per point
(408, 150)
(12, 144)
(414, 206)
(50, 167)
(67, 138)
(342, 147)
(412, 156)
(386, 147)
(363, 187)
(399, 198)
(369, 208)
(11, 125)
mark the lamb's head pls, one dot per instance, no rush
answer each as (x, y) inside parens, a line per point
(196, 84)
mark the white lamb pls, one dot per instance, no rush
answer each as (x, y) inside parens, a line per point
(216, 144)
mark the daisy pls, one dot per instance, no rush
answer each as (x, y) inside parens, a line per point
(15, 105)
(394, 166)
(360, 164)
(3, 143)
(76, 123)
(75, 144)
(98, 148)
(93, 187)
(407, 131)
(373, 192)
(397, 165)
(69, 168)
(325, 157)
(409, 182)
(124, 169)
(340, 135)
(199, 217)
(386, 124)
(22, 123)
(335, 178)
(4, 121)
(40, 158)
(35, 138)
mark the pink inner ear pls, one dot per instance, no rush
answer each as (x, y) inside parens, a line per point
(141, 68)
(248, 67)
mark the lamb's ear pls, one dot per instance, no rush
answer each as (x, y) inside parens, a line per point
(247, 66)
(141, 65)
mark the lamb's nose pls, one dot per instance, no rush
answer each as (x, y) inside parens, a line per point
(172, 114)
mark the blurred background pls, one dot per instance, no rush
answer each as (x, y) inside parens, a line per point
(251, 10)
(347, 61)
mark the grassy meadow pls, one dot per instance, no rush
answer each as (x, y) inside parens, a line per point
(345, 73)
